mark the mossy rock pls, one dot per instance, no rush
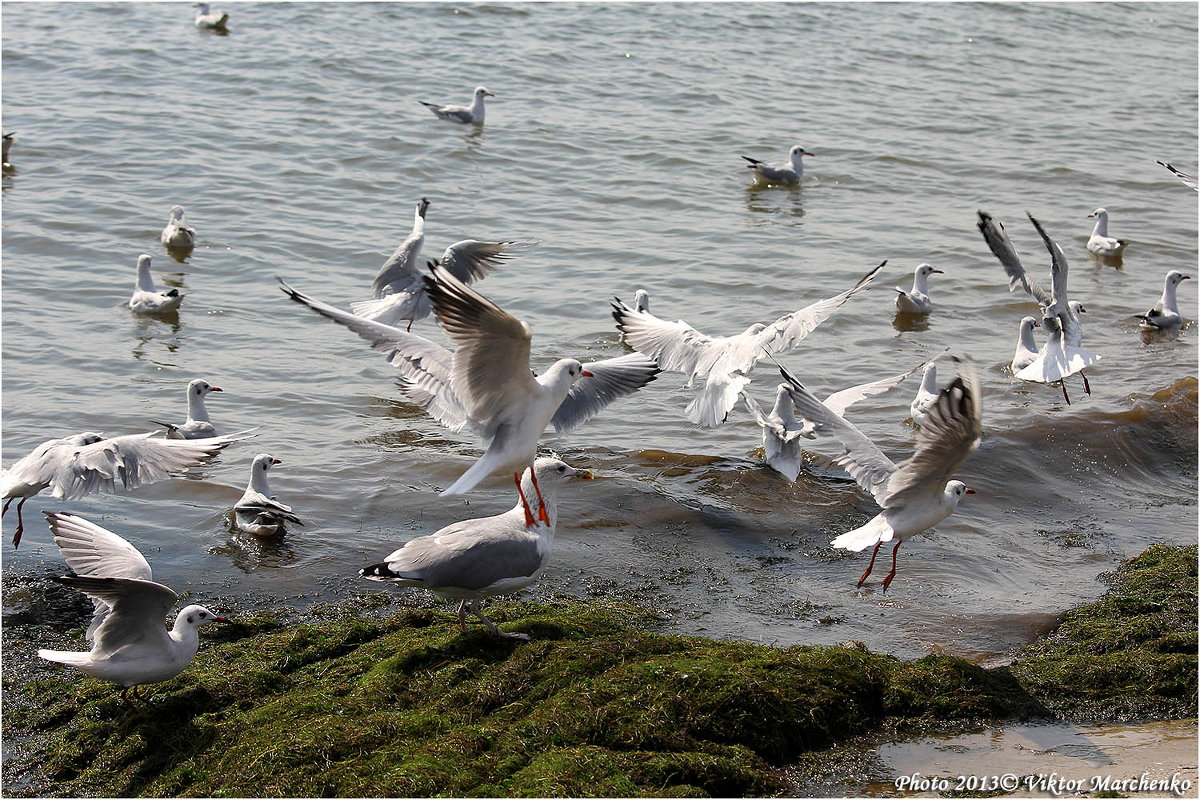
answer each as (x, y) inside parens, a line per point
(596, 705)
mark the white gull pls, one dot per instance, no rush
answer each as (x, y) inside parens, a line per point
(258, 512)
(917, 493)
(1165, 313)
(916, 300)
(146, 298)
(725, 362)
(789, 173)
(1100, 242)
(477, 558)
(486, 384)
(178, 234)
(198, 425)
(464, 114)
(208, 19)
(130, 645)
(1027, 349)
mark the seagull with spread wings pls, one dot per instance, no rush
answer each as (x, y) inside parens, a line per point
(917, 493)
(724, 361)
(486, 384)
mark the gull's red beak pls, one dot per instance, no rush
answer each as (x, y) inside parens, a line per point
(276, 461)
(970, 490)
(216, 389)
(220, 619)
(586, 374)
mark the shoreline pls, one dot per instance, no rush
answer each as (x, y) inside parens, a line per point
(597, 704)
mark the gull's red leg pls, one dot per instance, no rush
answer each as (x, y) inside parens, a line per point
(891, 574)
(462, 615)
(20, 522)
(529, 522)
(1086, 386)
(541, 502)
(1063, 384)
(869, 566)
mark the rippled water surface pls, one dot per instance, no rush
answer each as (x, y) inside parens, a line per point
(298, 146)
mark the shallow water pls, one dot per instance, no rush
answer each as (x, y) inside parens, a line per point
(299, 149)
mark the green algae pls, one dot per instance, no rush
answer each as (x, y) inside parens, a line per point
(596, 705)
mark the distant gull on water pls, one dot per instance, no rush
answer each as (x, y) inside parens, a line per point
(198, 425)
(472, 114)
(789, 173)
(1100, 242)
(146, 299)
(916, 300)
(1165, 313)
(177, 234)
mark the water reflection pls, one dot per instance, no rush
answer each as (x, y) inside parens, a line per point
(180, 254)
(765, 198)
(1114, 261)
(910, 323)
(251, 553)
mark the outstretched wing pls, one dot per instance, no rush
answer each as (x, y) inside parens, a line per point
(471, 260)
(998, 242)
(787, 331)
(610, 379)
(131, 461)
(675, 346)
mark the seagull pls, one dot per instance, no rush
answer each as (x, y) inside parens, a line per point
(782, 429)
(1165, 314)
(78, 465)
(177, 234)
(486, 383)
(1184, 178)
(210, 20)
(130, 646)
(917, 493)
(8, 140)
(1100, 242)
(258, 512)
(792, 172)
(1027, 349)
(148, 300)
(725, 362)
(477, 558)
(465, 114)
(916, 300)
(198, 425)
(1064, 353)
(927, 395)
(468, 260)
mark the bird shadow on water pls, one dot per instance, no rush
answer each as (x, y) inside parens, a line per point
(251, 553)
(764, 198)
(910, 323)
(181, 255)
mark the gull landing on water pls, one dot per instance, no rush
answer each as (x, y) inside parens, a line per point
(472, 114)
(915, 494)
(486, 384)
(146, 298)
(916, 300)
(789, 173)
(78, 465)
(478, 558)
(130, 646)
(727, 361)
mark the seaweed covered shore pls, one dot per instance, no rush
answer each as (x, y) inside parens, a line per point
(598, 704)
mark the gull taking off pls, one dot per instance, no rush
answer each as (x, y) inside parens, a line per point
(1100, 242)
(78, 465)
(1184, 178)
(1165, 314)
(477, 558)
(789, 173)
(725, 362)
(177, 235)
(130, 645)
(258, 512)
(198, 425)
(915, 494)
(148, 300)
(486, 384)
(781, 429)
(916, 300)
(472, 114)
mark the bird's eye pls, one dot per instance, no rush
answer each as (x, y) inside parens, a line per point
(562, 468)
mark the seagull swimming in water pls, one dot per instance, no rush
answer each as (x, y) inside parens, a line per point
(727, 361)
(258, 512)
(927, 395)
(78, 465)
(178, 235)
(477, 558)
(207, 19)
(1100, 242)
(486, 384)
(916, 300)
(130, 645)
(468, 115)
(1165, 314)
(789, 173)
(915, 494)
(146, 298)
(198, 425)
